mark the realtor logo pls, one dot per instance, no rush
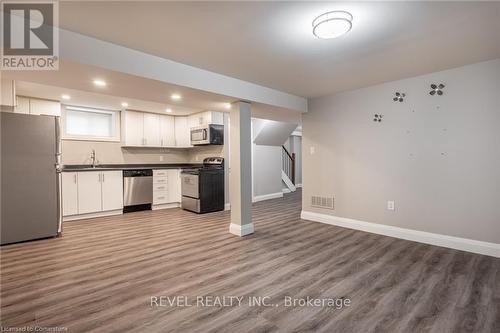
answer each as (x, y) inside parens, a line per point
(29, 35)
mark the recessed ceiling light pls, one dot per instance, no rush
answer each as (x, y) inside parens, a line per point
(332, 24)
(66, 97)
(100, 83)
(175, 97)
(168, 110)
(124, 104)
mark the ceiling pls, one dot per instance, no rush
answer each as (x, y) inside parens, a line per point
(271, 44)
(140, 93)
(96, 100)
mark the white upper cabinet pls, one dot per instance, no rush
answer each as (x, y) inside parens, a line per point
(205, 118)
(167, 131)
(182, 132)
(44, 107)
(112, 190)
(134, 128)
(216, 118)
(142, 129)
(37, 106)
(22, 105)
(151, 129)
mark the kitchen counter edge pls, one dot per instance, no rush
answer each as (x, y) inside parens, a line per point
(107, 167)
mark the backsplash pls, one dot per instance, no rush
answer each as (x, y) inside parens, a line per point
(78, 152)
(197, 154)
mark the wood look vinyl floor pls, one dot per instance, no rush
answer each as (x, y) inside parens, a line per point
(100, 277)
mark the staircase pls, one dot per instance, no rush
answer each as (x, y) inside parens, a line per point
(288, 169)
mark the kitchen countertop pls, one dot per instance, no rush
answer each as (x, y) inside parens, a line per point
(86, 167)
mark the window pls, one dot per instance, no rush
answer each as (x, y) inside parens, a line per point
(91, 124)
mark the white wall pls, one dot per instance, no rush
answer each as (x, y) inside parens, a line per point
(266, 167)
(437, 157)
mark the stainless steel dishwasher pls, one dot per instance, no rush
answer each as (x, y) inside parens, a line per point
(137, 190)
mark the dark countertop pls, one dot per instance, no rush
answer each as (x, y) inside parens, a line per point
(86, 167)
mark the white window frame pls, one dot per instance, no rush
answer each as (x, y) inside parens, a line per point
(115, 119)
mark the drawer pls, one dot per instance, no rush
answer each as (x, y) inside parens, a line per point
(160, 198)
(159, 187)
(160, 180)
(160, 173)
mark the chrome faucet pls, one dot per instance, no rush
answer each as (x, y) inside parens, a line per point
(93, 158)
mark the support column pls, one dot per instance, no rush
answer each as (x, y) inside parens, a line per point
(240, 178)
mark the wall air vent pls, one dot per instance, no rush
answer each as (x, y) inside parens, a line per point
(323, 202)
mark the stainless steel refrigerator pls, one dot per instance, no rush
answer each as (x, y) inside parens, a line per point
(30, 177)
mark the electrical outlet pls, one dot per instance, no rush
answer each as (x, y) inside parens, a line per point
(161, 158)
(312, 150)
(390, 205)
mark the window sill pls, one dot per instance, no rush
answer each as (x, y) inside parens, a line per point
(91, 139)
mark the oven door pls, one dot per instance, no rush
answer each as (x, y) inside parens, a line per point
(200, 136)
(189, 185)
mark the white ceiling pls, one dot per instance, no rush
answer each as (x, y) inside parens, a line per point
(140, 93)
(270, 43)
(96, 100)
(79, 77)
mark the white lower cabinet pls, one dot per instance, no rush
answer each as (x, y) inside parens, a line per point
(166, 187)
(95, 192)
(174, 185)
(112, 190)
(69, 193)
(89, 192)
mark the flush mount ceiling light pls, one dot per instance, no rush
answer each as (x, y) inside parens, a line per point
(175, 97)
(332, 24)
(227, 106)
(168, 110)
(124, 104)
(66, 97)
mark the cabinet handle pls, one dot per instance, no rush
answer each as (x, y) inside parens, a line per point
(162, 142)
(74, 178)
(99, 177)
(103, 177)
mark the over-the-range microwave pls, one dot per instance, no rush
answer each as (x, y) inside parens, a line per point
(211, 134)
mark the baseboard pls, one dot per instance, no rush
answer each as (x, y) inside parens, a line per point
(166, 206)
(92, 215)
(457, 243)
(267, 196)
(241, 230)
(227, 206)
(286, 190)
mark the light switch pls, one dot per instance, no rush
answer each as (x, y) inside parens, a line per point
(390, 205)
